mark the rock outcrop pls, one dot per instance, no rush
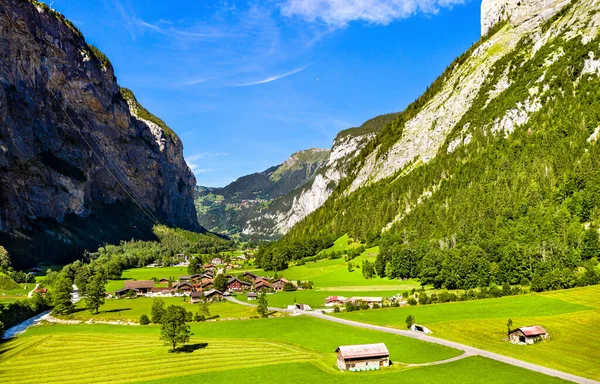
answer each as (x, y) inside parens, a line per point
(517, 11)
(78, 165)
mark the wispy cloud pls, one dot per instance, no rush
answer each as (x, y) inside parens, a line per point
(205, 155)
(272, 78)
(339, 13)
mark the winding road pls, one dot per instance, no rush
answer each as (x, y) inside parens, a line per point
(469, 351)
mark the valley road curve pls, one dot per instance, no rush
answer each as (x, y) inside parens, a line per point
(469, 351)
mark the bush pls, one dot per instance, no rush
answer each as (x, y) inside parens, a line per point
(289, 287)
(412, 301)
(144, 320)
(336, 309)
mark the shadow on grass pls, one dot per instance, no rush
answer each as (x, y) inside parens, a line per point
(117, 310)
(189, 348)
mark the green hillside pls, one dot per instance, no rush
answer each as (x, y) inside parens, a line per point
(516, 202)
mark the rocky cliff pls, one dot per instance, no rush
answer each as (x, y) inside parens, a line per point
(81, 162)
(517, 11)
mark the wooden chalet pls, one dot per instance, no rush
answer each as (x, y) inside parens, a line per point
(216, 261)
(196, 297)
(195, 276)
(279, 284)
(262, 284)
(363, 357)
(184, 287)
(210, 267)
(164, 280)
(237, 285)
(208, 284)
(185, 278)
(142, 286)
(330, 301)
(208, 275)
(213, 295)
(249, 275)
(528, 335)
(123, 292)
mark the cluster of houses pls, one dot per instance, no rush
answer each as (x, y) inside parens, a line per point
(331, 301)
(201, 286)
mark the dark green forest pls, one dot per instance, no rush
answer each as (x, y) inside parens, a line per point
(520, 209)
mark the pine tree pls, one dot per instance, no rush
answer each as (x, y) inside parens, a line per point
(263, 305)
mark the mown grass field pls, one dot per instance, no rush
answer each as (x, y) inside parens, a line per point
(10, 295)
(131, 309)
(298, 350)
(572, 318)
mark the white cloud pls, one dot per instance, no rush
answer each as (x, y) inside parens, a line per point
(204, 155)
(272, 78)
(339, 13)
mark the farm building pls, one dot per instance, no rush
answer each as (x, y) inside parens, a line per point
(196, 297)
(217, 261)
(420, 328)
(300, 307)
(164, 280)
(279, 284)
(209, 267)
(184, 287)
(143, 286)
(369, 300)
(528, 335)
(237, 285)
(363, 357)
(330, 301)
(252, 296)
(185, 278)
(262, 284)
(249, 275)
(123, 292)
(213, 295)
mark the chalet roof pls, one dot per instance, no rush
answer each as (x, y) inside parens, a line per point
(195, 276)
(535, 330)
(335, 298)
(162, 289)
(367, 299)
(139, 284)
(262, 283)
(185, 277)
(163, 279)
(250, 274)
(196, 295)
(234, 279)
(252, 294)
(177, 286)
(363, 351)
(122, 290)
(212, 292)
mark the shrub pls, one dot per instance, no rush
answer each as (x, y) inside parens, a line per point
(144, 320)
(336, 309)
(412, 301)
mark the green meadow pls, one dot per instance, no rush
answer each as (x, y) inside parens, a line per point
(10, 295)
(301, 349)
(130, 310)
(571, 317)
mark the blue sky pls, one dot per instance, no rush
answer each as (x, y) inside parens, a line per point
(247, 83)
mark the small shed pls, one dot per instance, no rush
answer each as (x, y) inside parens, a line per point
(252, 296)
(528, 335)
(142, 286)
(196, 297)
(363, 357)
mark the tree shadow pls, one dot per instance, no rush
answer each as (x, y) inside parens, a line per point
(117, 310)
(189, 348)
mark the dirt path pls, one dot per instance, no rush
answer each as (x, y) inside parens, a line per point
(469, 351)
(30, 294)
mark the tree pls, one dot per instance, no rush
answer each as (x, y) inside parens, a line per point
(263, 305)
(158, 311)
(410, 320)
(367, 269)
(144, 320)
(95, 292)
(61, 295)
(4, 259)
(174, 329)
(350, 267)
(220, 282)
(195, 266)
(289, 287)
(509, 324)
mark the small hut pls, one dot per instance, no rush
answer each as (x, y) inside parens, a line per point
(363, 357)
(528, 335)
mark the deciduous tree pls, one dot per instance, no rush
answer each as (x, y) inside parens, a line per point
(174, 329)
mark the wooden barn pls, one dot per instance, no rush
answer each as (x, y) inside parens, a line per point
(142, 286)
(363, 357)
(528, 335)
(236, 285)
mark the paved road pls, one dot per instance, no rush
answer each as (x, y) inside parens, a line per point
(469, 351)
(30, 294)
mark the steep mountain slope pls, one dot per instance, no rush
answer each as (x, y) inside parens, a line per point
(492, 175)
(81, 162)
(226, 210)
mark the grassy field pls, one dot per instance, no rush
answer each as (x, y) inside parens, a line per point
(572, 318)
(10, 295)
(132, 309)
(314, 297)
(297, 349)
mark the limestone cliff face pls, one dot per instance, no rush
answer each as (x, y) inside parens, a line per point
(78, 166)
(517, 11)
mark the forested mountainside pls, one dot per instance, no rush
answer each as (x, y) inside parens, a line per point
(267, 204)
(493, 174)
(226, 210)
(81, 161)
